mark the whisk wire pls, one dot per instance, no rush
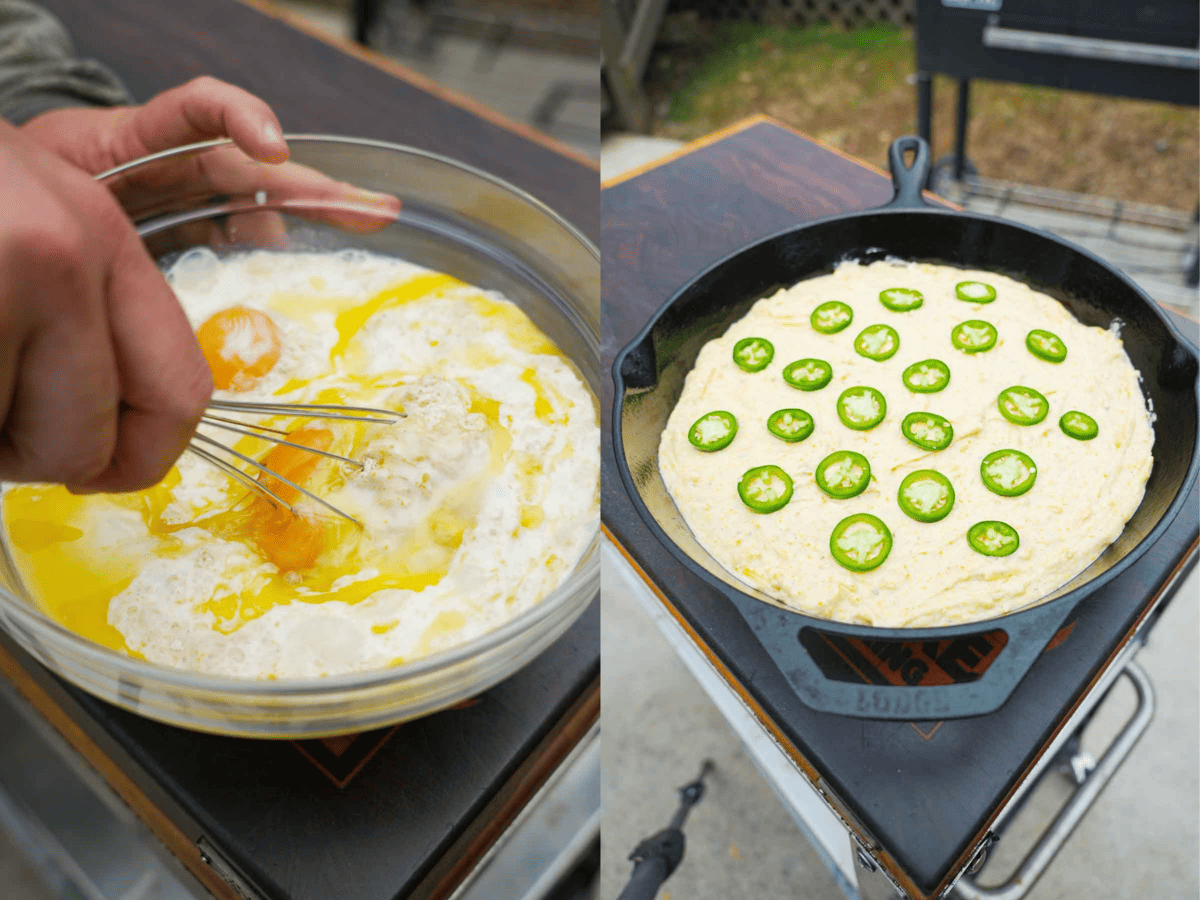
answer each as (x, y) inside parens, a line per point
(275, 435)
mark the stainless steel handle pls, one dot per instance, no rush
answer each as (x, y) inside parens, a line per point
(1051, 841)
(1090, 48)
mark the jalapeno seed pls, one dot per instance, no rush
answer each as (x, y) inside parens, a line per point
(926, 495)
(927, 430)
(993, 538)
(753, 353)
(1022, 405)
(831, 317)
(791, 425)
(765, 489)
(1078, 425)
(843, 474)
(927, 376)
(1046, 345)
(860, 542)
(808, 374)
(1008, 473)
(975, 292)
(877, 342)
(974, 336)
(900, 299)
(713, 431)
(861, 408)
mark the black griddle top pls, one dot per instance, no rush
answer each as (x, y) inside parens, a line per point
(925, 791)
(363, 818)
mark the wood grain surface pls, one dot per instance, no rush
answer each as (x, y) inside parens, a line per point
(315, 86)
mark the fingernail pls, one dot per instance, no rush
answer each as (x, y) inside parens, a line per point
(271, 134)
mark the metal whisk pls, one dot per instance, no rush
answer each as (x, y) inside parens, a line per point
(304, 410)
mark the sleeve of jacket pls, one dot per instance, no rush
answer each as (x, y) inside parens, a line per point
(38, 68)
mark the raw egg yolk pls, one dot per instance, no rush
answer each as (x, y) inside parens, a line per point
(241, 345)
(289, 540)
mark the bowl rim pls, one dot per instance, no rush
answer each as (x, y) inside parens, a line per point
(586, 570)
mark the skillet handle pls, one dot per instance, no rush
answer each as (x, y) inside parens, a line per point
(909, 181)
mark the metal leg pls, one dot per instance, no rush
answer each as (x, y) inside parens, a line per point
(1039, 858)
(622, 78)
(873, 883)
(960, 128)
(925, 107)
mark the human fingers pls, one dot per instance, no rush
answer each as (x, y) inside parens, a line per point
(165, 382)
(60, 380)
(204, 108)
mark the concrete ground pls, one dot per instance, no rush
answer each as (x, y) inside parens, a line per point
(1139, 840)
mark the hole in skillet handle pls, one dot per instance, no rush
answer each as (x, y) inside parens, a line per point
(908, 180)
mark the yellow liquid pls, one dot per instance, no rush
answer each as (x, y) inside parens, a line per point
(73, 573)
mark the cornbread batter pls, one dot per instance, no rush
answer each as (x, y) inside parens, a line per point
(475, 506)
(1008, 454)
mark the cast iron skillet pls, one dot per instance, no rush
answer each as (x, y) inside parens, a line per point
(649, 374)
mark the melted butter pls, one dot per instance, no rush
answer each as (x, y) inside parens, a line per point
(74, 580)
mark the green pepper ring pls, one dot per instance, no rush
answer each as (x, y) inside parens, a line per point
(712, 446)
(908, 429)
(1081, 431)
(832, 306)
(1046, 345)
(744, 344)
(1018, 488)
(790, 369)
(767, 506)
(976, 536)
(915, 371)
(835, 490)
(861, 424)
(860, 346)
(957, 336)
(775, 426)
(875, 554)
(1017, 416)
(964, 290)
(888, 298)
(905, 500)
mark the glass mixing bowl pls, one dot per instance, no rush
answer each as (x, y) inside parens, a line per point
(452, 219)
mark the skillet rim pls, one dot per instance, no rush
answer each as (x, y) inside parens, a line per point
(1008, 622)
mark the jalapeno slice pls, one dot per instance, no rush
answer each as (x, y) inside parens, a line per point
(861, 408)
(974, 336)
(975, 292)
(843, 474)
(927, 430)
(713, 431)
(993, 538)
(860, 542)
(1078, 425)
(926, 495)
(753, 353)
(1046, 345)
(927, 376)
(1022, 405)
(901, 299)
(808, 374)
(877, 342)
(765, 489)
(791, 425)
(1008, 473)
(831, 317)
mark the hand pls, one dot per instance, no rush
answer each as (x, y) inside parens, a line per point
(101, 380)
(96, 140)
